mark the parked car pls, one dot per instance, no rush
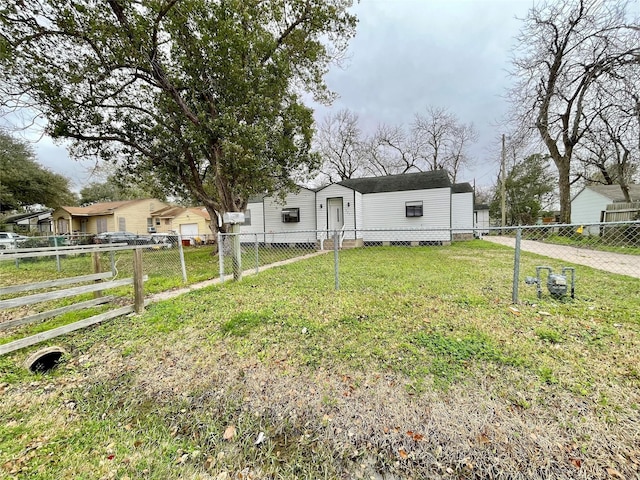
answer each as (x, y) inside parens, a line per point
(10, 240)
(121, 237)
(164, 240)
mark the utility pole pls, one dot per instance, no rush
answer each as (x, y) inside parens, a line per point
(502, 185)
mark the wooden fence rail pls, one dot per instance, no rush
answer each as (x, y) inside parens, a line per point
(96, 288)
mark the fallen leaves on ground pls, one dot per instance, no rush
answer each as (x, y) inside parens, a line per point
(229, 433)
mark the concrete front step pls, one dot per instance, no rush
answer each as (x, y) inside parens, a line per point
(346, 244)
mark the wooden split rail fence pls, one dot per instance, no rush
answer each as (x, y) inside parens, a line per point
(93, 283)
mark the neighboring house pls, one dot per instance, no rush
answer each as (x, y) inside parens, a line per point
(371, 210)
(29, 222)
(187, 221)
(128, 215)
(589, 205)
(481, 218)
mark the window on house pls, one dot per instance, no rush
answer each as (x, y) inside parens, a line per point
(247, 217)
(101, 225)
(122, 224)
(413, 209)
(149, 222)
(63, 226)
(290, 215)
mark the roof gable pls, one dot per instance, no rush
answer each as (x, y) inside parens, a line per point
(22, 216)
(104, 208)
(398, 183)
(176, 211)
(167, 212)
(614, 192)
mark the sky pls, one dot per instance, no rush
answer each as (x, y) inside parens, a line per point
(407, 55)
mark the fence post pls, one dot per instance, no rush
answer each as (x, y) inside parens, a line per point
(97, 268)
(55, 244)
(336, 257)
(138, 281)
(257, 256)
(182, 264)
(112, 261)
(221, 256)
(516, 266)
(236, 253)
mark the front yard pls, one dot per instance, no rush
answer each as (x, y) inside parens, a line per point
(418, 367)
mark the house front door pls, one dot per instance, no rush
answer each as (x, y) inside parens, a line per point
(335, 214)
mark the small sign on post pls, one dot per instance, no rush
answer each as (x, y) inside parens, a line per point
(233, 217)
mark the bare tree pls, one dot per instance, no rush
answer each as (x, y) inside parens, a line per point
(443, 140)
(564, 49)
(436, 140)
(340, 144)
(610, 153)
(463, 136)
(391, 150)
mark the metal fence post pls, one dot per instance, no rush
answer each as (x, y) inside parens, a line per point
(516, 266)
(221, 256)
(257, 256)
(55, 244)
(336, 257)
(236, 252)
(182, 264)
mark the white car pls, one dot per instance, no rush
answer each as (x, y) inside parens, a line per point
(10, 240)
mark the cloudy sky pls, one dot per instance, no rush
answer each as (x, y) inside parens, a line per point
(407, 55)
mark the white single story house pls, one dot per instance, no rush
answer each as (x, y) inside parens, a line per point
(369, 210)
(589, 205)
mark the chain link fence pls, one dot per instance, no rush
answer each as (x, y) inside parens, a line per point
(520, 263)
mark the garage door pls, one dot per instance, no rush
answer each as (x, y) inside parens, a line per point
(189, 229)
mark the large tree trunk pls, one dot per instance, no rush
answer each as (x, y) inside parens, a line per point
(622, 179)
(563, 164)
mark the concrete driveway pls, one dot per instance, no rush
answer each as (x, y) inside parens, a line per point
(610, 262)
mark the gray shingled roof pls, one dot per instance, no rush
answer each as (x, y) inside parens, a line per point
(462, 188)
(398, 183)
(614, 192)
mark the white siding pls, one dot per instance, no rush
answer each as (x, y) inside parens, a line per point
(351, 205)
(359, 217)
(462, 212)
(482, 221)
(387, 211)
(586, 208)
(257, 219)
(299, 232)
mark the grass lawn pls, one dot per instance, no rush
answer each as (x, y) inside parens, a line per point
(416, 368)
